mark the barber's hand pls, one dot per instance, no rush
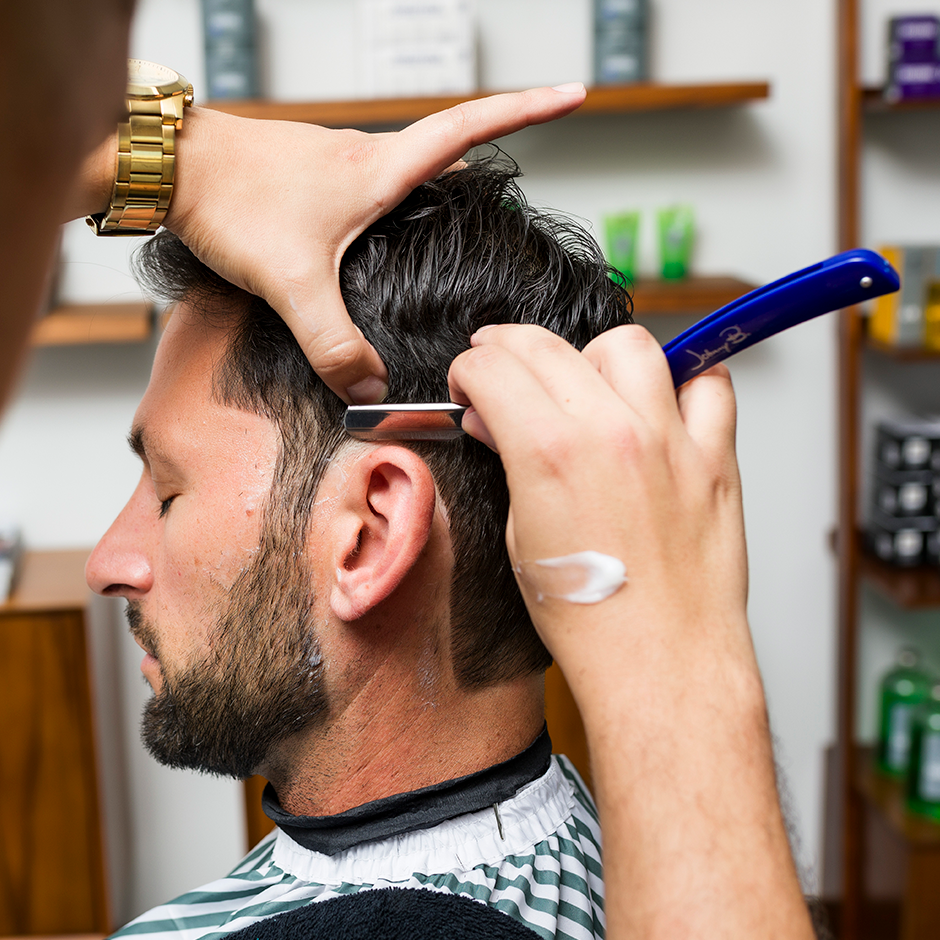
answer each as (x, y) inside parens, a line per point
(272, 207)
(602, 455)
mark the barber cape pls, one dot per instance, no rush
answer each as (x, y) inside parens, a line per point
(510, 852)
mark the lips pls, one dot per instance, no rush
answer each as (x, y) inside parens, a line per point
(144, 648)
(141, 630)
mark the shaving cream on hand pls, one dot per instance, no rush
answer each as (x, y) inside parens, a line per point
(583, 578)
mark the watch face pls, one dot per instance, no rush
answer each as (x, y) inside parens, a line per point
(147, 79)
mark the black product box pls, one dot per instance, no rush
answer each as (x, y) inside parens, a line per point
(231, 55)
(903, 493)
(909, 445)
(620, 41)
(905, 542)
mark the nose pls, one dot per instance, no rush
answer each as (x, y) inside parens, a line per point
(120, 564)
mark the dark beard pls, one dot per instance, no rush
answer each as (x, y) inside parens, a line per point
(260, 683)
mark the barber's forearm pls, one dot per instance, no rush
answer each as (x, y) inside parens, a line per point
(91, 190)
(694, 840)
(64, 64)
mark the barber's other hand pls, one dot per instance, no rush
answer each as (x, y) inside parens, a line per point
(272, 206)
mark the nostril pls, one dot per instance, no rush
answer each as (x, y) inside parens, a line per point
(117, 590)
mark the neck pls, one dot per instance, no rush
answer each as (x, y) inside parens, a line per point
(375, 748)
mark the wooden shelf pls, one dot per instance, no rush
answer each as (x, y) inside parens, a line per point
(612, 99)
(691, 295)
(887, 796)
(910, 588)
(902, 353)
(74, 324)
(873, 101)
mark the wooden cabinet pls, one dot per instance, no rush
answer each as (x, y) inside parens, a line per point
(52, 877)
(877, 833)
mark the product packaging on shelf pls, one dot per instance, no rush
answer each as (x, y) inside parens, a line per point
(620, 41)
(913, 61)
(621, 232)
(903, 525)
(902, 493)
(906, 542)
(903, 688)
(416, 49)
(912, 444)
(11, 550)
(676, 237)
(229, 29)
(910, 318)
(923, 778)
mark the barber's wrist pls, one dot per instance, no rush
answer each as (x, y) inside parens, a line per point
(625, 655)
(200, 148)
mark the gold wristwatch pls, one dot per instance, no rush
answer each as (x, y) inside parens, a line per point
(146, 157)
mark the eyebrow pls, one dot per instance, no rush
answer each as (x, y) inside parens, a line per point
(145, 448)
(135, 440)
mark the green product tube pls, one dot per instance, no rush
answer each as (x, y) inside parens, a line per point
(621, 232)
(676, 231)
(923, 781)
(902, 689)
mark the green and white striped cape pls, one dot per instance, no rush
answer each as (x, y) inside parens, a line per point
(537, 859)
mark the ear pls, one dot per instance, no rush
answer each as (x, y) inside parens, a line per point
(382, 525)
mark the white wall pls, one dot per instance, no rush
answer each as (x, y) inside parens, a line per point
(761, 179)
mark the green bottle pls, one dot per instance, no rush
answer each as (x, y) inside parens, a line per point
(902, 690)
(923, 782)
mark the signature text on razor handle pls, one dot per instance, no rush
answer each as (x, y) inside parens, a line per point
(732, 336)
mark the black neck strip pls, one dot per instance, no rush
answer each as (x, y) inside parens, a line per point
(420, 809)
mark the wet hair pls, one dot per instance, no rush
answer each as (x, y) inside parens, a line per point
(462, 251)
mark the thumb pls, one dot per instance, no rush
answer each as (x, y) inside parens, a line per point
(332, 343)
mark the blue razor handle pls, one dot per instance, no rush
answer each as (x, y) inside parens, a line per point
(841, 281)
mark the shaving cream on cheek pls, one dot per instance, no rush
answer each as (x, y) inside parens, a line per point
(583, 578)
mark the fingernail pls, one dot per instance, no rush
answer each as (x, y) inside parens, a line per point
(370, 391)
(569, 88)
(474, 426)
(488, 326)
(484, 437)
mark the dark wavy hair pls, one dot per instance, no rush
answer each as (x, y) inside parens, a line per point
(461, 251)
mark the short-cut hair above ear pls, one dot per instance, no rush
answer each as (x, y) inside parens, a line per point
(461, 251)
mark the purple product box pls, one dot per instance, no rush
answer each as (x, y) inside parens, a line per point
(913, 38)
(910, 81)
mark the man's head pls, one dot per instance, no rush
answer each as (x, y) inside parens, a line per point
(460, 252)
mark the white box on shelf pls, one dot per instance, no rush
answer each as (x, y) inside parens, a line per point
(412, 48)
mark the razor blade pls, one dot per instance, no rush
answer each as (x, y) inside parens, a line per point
(413, 422)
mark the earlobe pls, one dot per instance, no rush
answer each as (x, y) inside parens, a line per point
(388, 509)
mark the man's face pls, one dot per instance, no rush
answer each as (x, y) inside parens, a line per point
(222, 608)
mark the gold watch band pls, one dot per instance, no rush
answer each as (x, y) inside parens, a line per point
(145, 167)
